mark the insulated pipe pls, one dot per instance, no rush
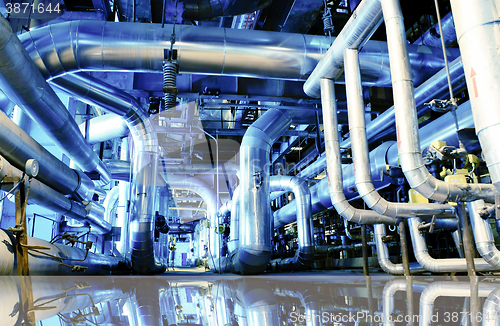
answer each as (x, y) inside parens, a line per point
(23, 83)
(145, 160)
(383, 254)
(444, 265)
(334, 163)
(92, 45)
(42, 195)
(18, 147)
(432, 36)
(491, 308)
(300, 189)
(234, 230)
(119, 170)
(208, 9)
(40, 264)
(21, 119)
(109, 204)
(361, 160)
(485, 243)
(104, 127)
(256, 228)
(410, 155)
(357, 31)
(478, 25)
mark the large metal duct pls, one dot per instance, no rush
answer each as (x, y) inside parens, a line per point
(362, 172)
(110, 204)
(23, 83)
(104, 127)
(18, 147)
(432, 36)
(96, 45)
(444, 265)
(6, 105)
(21, 119)
(334, 163)
(483, 235)
(491, 308)
(255, 229)
(40, 264)
(300, 189)
(477, 27)
(407, 133)
(356, 32)
(145, 161)
(383, 254)
(208, 9)
(42, 195)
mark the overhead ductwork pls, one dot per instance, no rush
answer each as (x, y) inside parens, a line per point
(201, 50)
(255, 224)
(360, 157)
(40, 264)
(300, 189)
(334, 163)
(145, 161)
(478, 25)
(104, 127)
(432, 36)
(23, 83)
(208, 9)
(410, 155)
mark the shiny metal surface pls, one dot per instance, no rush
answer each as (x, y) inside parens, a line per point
(410, 155)
(119, 170)
(95, 217)
(234, 231)
(432, 36)
(379, 233)
(95, 45)
(6, 105)
(491, 308)
(110, 202)
(361, 160)
(255, 225)
(21, 119)
(439, 265)
(483, 235)
(477, 29)
(104, 127)
(334, 163)
(43, 265)
(123, 204)
(208, 9)
(305, 237)
(145, 160)
(18, 147)
(28, 88)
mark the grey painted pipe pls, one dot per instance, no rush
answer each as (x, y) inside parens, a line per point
(476, 27)
(483, 235)
(202, 50)
(300, 189)
(407, 133)
(23, 83)
(144, 174)
(362, 172)
(104, 127)
(334, 163)
(255, 225)
(42, 265)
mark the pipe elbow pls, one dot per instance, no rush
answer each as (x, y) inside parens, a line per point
(251, 260)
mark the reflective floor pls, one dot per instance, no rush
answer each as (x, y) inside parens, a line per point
(187, 298)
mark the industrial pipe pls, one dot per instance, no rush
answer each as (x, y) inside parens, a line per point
(410, 155)
(483, 235)
(104, 127)
(209, 9)
(234, 230)
(334, 163)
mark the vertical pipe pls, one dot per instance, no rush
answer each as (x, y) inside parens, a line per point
(404, 247)
(467, 239)
(366, 271)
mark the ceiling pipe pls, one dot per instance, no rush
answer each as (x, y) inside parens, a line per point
(208, 9)
(432, 36)
(44, 196)
(24, 84)
(360, 157)
(145, 160)
(483, 235)
(410, 155)
(444, 265)
(18, 147)
(305, 253)
(383, 254)
(104, 127)
(477, 27)
(40, 264)
(255, 229)
(334, 163)
(363, 22)
(92, 45)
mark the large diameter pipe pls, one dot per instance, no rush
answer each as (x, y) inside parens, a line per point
(104, 127)
(410, 155)
(359, 28)
(254, 251)
(18, 147)
(477, 29)
(93, 45)
(432, 36)
(40, 264)
(361, 159)
(23, 83)
(334, 163)
(234, 230)
(300, 189)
